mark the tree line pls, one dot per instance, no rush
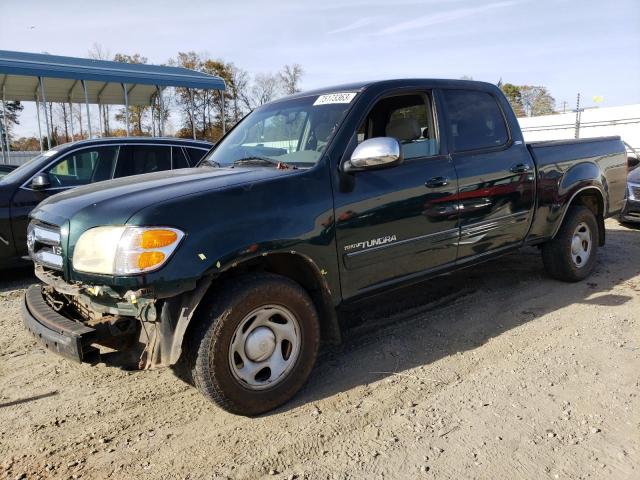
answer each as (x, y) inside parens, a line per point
(201, 111)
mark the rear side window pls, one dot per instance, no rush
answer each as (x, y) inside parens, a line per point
(137, 159)
(475, 120)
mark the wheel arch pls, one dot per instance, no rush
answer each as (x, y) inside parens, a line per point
(302, 270)
(177, 313)
(592, 197)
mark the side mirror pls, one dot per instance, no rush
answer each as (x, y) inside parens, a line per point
(40, 181)
(632, 162)
(379, 152)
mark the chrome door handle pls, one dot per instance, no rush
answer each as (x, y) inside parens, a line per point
(436, 182)
(520, 168)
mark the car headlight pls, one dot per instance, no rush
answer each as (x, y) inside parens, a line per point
(123, 250)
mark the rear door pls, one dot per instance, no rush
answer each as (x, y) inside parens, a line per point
(496, 176)
(397, 223)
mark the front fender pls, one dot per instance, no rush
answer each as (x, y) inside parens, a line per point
(292, 213)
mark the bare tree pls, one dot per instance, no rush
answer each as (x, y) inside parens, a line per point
(98, 52)
(238, 86)
(265, 88)
(290, 77)
(64, 115)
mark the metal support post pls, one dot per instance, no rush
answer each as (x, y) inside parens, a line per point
(224, 117)
(86, 102)
(5, 126)
(46, 118)
(39, 127)
(71, 119)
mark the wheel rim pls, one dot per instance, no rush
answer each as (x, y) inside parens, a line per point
(581, 245)
(265, 347)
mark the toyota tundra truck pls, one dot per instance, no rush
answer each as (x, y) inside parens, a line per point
(235, 271)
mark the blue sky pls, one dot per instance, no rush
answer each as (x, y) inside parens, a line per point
(570, 46)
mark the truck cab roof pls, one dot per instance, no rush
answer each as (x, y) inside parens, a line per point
(394, 84)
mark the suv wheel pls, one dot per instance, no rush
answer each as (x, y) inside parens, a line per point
(254, 344)
(571, 255)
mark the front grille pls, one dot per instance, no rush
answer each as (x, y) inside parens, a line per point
(635, 192)
(45, 244)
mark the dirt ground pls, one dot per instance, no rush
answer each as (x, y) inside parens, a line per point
(495, 372)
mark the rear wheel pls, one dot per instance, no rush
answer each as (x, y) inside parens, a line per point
(255, 344)
(571, 255)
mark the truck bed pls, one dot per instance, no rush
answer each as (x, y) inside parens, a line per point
(565, 167)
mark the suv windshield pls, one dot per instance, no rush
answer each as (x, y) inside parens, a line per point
(291, 133)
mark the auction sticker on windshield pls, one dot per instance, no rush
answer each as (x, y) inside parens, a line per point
(343, 97)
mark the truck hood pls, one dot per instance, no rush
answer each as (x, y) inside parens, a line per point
(113, 202)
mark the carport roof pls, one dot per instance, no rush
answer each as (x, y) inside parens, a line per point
(62, 76)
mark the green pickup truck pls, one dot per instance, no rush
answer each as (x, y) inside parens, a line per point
(233, 272)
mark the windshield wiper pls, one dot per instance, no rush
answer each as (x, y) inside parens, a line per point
(262, 161)
(256, 160)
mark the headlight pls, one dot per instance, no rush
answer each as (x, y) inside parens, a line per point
(123, 250)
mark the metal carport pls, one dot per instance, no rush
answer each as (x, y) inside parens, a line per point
(51, 78)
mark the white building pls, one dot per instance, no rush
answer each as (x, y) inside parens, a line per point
(594, 122)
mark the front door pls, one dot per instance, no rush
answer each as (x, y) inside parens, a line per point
(80, 167)
(397, 223)
(496, 176)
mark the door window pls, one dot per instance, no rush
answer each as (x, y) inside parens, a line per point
(409, 119)
(195, 154)
(475, 120)
(139, 159)
(83, 167)
(179, 159)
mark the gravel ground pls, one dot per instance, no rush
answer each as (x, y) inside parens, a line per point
(493, 372)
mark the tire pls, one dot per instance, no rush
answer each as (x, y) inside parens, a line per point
(568, 258)
(217, 347)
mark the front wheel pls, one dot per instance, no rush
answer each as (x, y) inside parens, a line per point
(571, 255)
(254, 344)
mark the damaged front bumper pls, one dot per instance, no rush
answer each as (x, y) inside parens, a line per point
(71, 339)
(75, 320)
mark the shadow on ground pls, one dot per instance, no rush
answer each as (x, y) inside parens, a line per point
(393, 332)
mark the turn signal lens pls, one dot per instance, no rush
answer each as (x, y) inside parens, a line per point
(124, 249)
(149, 259)
(157, 238)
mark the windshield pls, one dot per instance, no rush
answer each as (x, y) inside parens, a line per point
(287, 134)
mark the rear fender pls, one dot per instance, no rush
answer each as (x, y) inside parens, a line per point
(575, 196)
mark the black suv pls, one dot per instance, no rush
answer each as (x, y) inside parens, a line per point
(80, 163)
